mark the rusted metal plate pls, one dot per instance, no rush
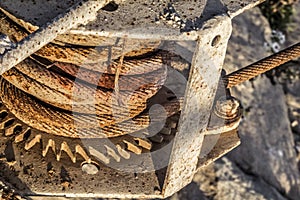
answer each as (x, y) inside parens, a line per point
(35, 175)
(152, 18)
(200, 93)
(40, 12)
(117, 16)
(215, 146)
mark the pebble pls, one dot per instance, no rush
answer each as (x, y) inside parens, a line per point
(177, 19)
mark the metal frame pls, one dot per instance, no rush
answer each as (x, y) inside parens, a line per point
(199, 97)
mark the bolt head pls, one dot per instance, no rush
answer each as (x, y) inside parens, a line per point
(90, 168)
(227, 107)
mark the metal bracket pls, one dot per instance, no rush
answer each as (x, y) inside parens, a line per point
(203, 82)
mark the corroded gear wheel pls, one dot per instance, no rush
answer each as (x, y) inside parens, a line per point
(75, 149)
(47, 94)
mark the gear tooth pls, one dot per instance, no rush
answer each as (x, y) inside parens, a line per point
(133, 147)
(3, 114)
(20, 137)
(5, 121)
(143, 142)
(99, 155)
(82, 152)
(12, 129)
(32, 142)
(50, 144)
(65, 147)
(125, 154)
(3, 110)
(112, 153)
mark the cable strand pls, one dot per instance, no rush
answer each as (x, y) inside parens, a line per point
(261, 66)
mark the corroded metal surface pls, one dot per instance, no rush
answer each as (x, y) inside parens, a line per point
(45, 161)
(120, 17)
(199, 99)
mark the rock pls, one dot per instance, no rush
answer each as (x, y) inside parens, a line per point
(206, 178)
(293, 93)
(267, 148)
(190, 192)
(246, 44)
(291, 73)
(294, 29)
(233, 183)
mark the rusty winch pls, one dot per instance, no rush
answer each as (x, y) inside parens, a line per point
(113, 98)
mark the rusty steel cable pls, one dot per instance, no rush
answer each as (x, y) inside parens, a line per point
(261, 66)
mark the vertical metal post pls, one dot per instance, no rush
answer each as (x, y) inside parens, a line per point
(203, 81)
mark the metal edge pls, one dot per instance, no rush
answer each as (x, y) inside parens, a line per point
(237, 12)
(202, 85)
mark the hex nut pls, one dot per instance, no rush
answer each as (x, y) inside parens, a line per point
(227, 108)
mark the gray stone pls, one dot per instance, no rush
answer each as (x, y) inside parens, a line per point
(294, 28)
(233, 183)
(267, 148)
(190, 192)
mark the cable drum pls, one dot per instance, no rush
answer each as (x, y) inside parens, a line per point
(165, 103)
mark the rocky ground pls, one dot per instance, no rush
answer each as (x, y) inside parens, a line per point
(267, 163)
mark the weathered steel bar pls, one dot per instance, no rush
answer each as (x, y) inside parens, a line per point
(81, 13)
(199, 97)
